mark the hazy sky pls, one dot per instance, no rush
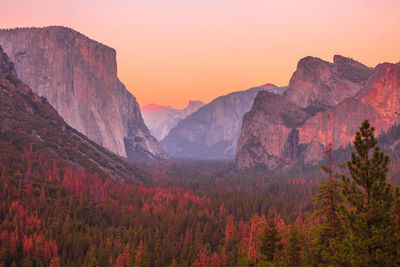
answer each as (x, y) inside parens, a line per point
(171, 51)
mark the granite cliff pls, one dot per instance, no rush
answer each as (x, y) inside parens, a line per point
(324, 103)
(378, 101)
(161, 119)
(29, 124)
(78, 76)
(317, 84)
(269, 134)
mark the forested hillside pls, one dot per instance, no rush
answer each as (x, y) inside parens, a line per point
(54, 215)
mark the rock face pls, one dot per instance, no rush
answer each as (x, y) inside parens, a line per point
(317, 84)
(269, 135)
(161, 119)
(78, 76)
(378, 101)
(212, 131)
(27, 120)
(325, 103)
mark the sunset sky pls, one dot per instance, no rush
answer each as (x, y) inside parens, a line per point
(171, 51)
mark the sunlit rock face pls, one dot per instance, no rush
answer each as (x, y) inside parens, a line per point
(378, 101)
(78, 76)
(212, 131)
(161, 119)
(28, 122)
(317, 84)
(325, 103)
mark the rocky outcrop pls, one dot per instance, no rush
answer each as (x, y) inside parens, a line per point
(212, 131)
(78, 76)
(161, 119)
(378, 101)
(317, 84)
(264, 130)
(269, 135)
(27, 120)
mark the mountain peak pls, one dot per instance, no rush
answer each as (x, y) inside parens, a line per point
(318, 83)
(154, 108)
(337, 58)
(193, 102)
(268, 86)
(194, 105)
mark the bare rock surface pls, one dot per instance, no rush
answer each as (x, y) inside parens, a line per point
(29, 124)
(317, 84)
(325, 103)
(78, 76)
(269, 135)
(378, 101)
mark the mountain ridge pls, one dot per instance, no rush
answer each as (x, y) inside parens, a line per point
(324, 84)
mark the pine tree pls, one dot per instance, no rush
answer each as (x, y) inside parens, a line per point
(270, 242)
(294, 247)
(328, 231)
(367, 212)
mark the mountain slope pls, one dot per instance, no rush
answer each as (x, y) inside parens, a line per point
(212, 131)
(161, 119)
(78, 76)
(27, 120)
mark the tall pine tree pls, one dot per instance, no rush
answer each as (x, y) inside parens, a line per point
(270, 243)
(328, 231)
(294, 247)
(371, 237)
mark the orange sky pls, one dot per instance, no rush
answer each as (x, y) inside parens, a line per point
(171, 51)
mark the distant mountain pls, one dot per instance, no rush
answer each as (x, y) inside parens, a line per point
(212, 131)
(27, 120)
(269, 87)
(161, 119)
(275, 136)
(78, 76)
